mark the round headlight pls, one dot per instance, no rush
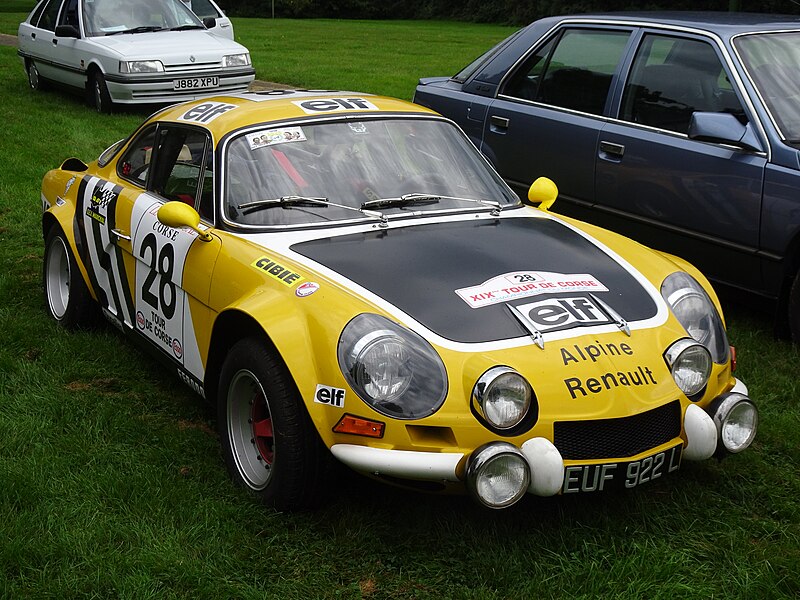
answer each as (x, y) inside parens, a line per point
(698, 315)
(498, 475)
(503, 397)
(690, 364)
(736, 418)
(392, 369)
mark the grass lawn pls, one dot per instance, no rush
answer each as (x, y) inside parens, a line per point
(111, 479)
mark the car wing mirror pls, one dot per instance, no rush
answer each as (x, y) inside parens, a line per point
(178, 214)
(723, 128)
(67, 31)
(210, 22)
(543, 192)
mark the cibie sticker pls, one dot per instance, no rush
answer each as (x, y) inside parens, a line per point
(270, 137)
(206, 112)
(329, 395)
(524, 284)
(306, 289)
(318, 105)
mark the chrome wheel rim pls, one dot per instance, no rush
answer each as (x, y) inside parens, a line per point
(33, 76)
(57, 274)
(250, 430)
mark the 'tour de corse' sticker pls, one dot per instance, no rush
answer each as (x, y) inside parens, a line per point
(523, 284)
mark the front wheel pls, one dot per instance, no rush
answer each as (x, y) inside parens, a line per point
(65, 292)
(268, 441)
(99, 95)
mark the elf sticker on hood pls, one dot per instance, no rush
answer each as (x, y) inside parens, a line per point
(524, 284)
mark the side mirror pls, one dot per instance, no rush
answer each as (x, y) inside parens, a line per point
(210, 22)
(543, 192)
(177, 214)
(723, 128)
(67, 31)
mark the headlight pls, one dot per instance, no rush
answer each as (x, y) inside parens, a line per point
(498, 475)
(236, 60)
(392, 369)
(503, 397)
(141, 66)
(690, 364)
(698, 315)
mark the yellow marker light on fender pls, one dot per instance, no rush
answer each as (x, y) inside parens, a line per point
(543, 192)
(178, 214)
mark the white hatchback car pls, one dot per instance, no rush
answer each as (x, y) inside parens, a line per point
(130, 51)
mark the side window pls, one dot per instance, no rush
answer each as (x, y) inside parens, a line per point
(135, 163)
(202, 8)
(49, 16)
(673, 77)
(573, 71)
(182, 169)
(69, 16)
(37, 14)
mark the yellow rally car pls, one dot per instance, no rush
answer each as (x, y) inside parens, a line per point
(345, 275)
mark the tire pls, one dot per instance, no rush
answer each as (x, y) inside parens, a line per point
(66, 295)
(98, 93)
(794, 310)
(35, 80)
(268, 441)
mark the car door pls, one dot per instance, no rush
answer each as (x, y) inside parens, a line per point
(37, 39)
(549, 110)
(700, 200)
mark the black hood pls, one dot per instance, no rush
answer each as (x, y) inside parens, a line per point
(420, 268)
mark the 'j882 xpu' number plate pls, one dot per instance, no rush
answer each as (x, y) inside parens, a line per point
(195, 83)
(596, 478)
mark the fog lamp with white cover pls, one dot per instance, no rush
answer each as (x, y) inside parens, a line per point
(392, 369)
(498, 474)
(696, 312)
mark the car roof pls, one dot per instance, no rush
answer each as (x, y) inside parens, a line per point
(225, 113)
(724, 24)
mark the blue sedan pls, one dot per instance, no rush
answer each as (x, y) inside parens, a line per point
(681, 130)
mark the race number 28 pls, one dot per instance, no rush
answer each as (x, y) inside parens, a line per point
(162, 264)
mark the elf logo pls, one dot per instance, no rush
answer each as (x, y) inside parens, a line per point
(311, 107)
(564, 313)
(329, 395)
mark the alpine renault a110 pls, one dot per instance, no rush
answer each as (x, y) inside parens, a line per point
(345, 276)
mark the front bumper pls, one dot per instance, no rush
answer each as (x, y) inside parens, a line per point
(159, 88)
(543, 460)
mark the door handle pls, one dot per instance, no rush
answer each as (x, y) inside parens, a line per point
(616, 150)
(55, 41)
(120, 235)
(499, 122)
(33, 35)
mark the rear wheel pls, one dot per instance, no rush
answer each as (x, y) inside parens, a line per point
(794, 310)
(65, 292)
(268, 440)
(34, 79)
(100, 97)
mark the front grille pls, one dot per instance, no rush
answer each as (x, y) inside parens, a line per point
(617, 438)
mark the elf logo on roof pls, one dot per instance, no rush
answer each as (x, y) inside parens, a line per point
(318, 105)
(564, 313)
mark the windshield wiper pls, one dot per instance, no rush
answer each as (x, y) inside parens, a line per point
(308, 201)
(141, 29)
(186, 27)
(404, 200)
(417, 198)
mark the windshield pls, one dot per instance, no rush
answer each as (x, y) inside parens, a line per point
(109, 17)
(773, 62)
(328, 171)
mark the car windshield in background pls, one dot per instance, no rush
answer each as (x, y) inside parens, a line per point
(109, 17)
(327, 171)
(773, 61)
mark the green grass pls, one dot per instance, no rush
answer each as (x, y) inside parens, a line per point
(112, 484)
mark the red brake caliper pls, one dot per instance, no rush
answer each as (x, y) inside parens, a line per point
(262, 430)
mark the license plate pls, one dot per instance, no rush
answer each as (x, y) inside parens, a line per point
(195, 83)
(622, 475)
